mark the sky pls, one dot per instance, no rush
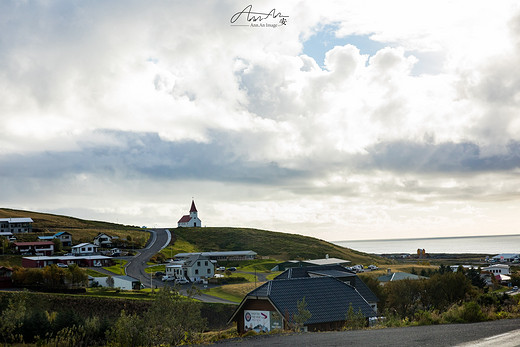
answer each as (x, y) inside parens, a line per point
(342, 120)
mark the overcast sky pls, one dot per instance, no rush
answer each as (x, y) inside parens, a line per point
(340, 120)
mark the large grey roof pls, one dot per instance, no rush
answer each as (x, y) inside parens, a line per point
(327, 298)
(336, 271)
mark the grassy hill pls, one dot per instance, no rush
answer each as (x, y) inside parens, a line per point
(80, 229)
(277, 245)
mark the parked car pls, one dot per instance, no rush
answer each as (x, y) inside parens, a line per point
(232, 268)
(62, 265)
(159, 274)
(515, 288)
(221, 268)
(181, 281)
(167, 278)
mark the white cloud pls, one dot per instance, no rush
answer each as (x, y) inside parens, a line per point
(92, 84)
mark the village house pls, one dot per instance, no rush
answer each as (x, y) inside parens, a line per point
(64, 237)
(273, 305)
(36, 248)
(506, 257)
(310, 262)
(16, 225)
(190, 220)
(335, 271)
(84, 249)
(398, 276)
(121, 282)
(195, 268)
(498, 269)
(85, 260)
(103, 240)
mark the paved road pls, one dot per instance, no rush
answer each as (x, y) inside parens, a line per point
(503, 333)
(159, 239)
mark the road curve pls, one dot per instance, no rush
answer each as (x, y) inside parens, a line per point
(159, 239)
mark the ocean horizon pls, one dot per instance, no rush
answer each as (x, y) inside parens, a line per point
(487, 244)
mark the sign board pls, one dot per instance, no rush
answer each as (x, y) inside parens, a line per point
(261, 321)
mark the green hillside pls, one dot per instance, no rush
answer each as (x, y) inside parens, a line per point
(80, 229)
(277, 245)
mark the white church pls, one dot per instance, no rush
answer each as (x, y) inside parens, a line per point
(190, 220)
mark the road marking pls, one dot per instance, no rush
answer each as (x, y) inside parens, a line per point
(510, 339)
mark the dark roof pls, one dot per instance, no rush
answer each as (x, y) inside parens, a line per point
(41, 243)
(336, 271)
(193, 208)
(184, 219)
(193, 258)
(327, 298)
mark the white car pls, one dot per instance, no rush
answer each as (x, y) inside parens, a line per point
(181, 281)
(167, 278)
(61, 265)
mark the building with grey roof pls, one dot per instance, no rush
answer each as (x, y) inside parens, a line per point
(335, 271)
(274, 304)
(16, 225)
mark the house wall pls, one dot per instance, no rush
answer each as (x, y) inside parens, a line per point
(204, 270)
(252, 304)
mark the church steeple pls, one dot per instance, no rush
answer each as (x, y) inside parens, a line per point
(193, 208)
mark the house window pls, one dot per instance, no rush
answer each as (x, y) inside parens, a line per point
(209, 271)
(206, 263)
(196, 271)
(198, 263)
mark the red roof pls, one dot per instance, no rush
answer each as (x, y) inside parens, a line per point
(193, 208)
(184, 219)
(42, 243)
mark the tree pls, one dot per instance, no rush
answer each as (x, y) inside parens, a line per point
(110, 282)
(302, 315)
(354, 320)
(12, 317)
(173, 319)
(77, 276)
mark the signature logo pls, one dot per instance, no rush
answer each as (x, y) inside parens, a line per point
(250, 18)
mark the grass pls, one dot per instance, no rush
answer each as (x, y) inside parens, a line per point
(232, 292)
(248, 277)
(11, 260)
(268, 243)
(118, 268)
(180, 246)
(155, 268)
(122, 294)
(272, 275)
(81, 230)
(95, 273)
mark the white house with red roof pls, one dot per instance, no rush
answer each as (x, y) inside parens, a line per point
(190, 220)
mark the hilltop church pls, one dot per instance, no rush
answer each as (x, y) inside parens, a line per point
(190, 220)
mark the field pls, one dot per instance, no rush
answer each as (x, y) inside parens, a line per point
(81, 230)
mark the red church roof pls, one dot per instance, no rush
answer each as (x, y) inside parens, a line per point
(193, 208)
(184, 219)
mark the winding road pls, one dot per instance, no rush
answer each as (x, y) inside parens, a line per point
(159, 239)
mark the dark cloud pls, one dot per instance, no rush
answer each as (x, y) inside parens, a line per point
(146, 155)
(448, 157)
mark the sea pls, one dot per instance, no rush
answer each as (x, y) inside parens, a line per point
(464, 244)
